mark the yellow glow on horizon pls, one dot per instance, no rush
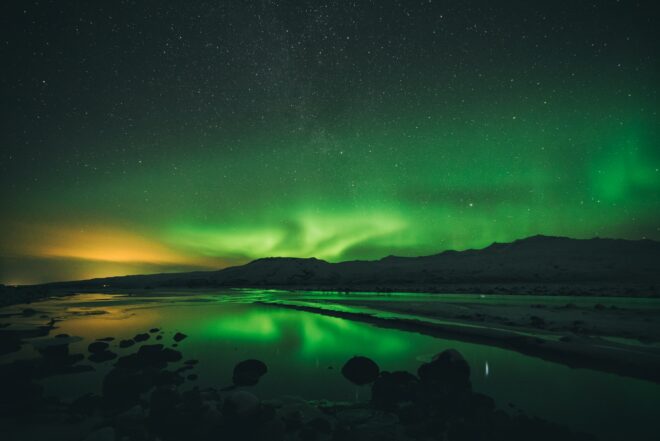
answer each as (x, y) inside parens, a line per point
(104, 244)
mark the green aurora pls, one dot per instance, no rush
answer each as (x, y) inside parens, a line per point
(354, 148)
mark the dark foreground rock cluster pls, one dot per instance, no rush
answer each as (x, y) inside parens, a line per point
(149, 395)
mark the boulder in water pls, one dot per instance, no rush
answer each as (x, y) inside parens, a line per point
(448, 368)
(97, 346)
(126, 343)
(141, 337)
(54, 350)
(149, 356)
(102, 356)
(360, 370)
(248, 372)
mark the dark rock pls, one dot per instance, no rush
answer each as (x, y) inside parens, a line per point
(448, 368)
(381, 427)
(412, 412)
(130, 424)
(67, 367)
(150, 349)
(355, 416)
(163, 413)
(19, 393)
(170, 355)
(159, 337)
(29, 312)
(392, 388)
(248, 372)
(56, 359)
(321, 425)
(308, 434)
(9, 343)
(154, 356)
(191, 362)
(175, 416)
(179, 336)
(122, 387)
(141, 337)
(153, 330)
(86, 404)
(167, 378)
(463, 431)
(210, 394)
(62, 336)
(293, 415)
(184, 368)
(599, 307)
(126, 343)
(102, 356)
(193, 400)
(103, 434)
(97, 346)
(480, 404)
(241, 404)
(54, 350)
(360, 370)
(105, 339)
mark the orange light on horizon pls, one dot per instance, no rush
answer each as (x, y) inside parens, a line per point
(104, 244)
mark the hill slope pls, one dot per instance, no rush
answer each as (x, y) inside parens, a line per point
(622, 265)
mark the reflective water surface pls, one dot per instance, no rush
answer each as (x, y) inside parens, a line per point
(304, 353)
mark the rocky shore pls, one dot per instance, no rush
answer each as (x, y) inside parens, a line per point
(144, 398)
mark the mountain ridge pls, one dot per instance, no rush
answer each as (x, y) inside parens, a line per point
(536, 260)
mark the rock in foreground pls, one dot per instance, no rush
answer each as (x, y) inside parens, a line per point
(360, 370)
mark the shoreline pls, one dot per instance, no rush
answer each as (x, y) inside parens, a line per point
(581, 348)
(13, 295)
(582, 352)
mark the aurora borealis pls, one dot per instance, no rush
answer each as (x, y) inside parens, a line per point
(166, 136)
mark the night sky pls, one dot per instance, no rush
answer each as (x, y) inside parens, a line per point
(156, 136)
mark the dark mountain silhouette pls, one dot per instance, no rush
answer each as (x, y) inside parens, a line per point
(592, 265)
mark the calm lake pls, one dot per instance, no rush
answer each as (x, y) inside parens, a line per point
(304, 353)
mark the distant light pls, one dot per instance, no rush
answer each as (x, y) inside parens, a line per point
(487, 370)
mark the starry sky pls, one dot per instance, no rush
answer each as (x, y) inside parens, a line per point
(154, 136)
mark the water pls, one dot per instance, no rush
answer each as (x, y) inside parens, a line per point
(305, 352)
